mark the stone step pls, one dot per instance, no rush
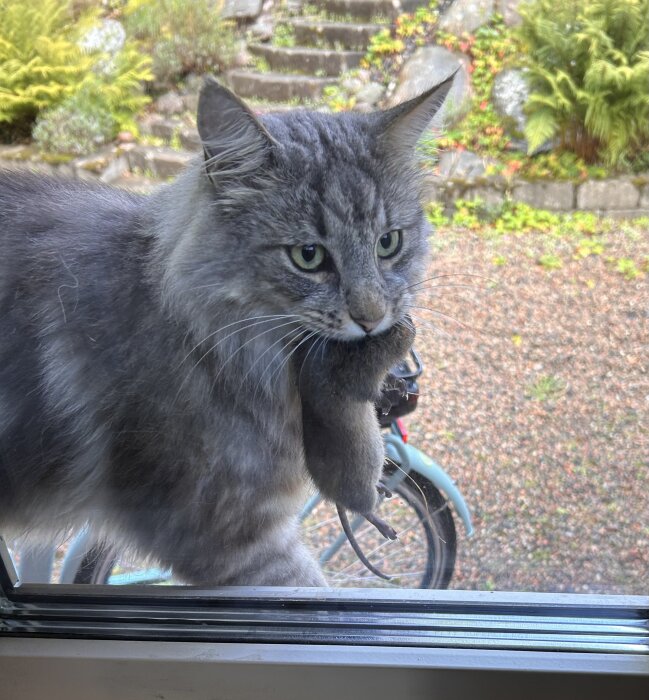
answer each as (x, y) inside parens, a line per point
(307, 60)
(351, 36)
(367, 9)
(277, 87)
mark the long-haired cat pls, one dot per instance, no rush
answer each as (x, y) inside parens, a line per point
(177, 368)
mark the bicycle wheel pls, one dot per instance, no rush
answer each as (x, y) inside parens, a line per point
(422, 557)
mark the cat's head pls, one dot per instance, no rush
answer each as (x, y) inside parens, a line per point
(313, 214)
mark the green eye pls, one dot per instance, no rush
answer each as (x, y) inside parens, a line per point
(389, 244)
(308, 257)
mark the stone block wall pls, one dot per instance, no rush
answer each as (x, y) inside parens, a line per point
(620, 197)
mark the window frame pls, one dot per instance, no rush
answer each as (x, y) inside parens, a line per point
(179, 640)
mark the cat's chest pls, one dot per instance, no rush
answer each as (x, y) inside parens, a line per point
(224, 433)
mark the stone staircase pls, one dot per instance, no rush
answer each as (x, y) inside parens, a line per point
(323, 45)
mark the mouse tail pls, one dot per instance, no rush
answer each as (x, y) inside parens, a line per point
(347, 529)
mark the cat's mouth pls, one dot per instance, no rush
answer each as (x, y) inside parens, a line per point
(351, 330)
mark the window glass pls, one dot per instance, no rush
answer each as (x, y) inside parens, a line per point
(515, 430)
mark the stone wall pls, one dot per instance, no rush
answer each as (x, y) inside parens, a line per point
(618, 197)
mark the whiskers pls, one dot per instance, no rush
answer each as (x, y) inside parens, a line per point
(268, 322)
(429, 318)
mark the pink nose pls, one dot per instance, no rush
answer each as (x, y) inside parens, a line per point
(366, 325)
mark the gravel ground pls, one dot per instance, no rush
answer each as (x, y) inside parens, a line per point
(536, 400)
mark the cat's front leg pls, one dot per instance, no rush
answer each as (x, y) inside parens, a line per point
(278, 559)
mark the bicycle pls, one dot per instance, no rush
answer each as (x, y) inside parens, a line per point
(419, 509)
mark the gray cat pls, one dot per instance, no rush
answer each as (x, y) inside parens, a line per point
(177, 368)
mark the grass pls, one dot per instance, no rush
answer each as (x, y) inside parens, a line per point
(546, 388)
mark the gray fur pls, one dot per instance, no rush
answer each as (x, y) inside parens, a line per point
(157, 354)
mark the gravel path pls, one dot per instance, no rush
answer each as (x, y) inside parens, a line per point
(538, 406)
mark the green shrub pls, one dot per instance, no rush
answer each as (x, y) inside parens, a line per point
(40, 63)
(75, 127)
(45, 74)
(588, 70)
(118, 87)
(105, 103)
(183, 37)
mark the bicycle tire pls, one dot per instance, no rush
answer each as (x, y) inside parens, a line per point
(440, 510)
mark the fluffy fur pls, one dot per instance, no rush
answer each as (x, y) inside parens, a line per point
(168, 373)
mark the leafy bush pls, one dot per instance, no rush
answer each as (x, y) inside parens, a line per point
(40, 63)
(45, 72)
(588, 68)
(116, 87)
(105, 103)
(75, 127)
(183, 37)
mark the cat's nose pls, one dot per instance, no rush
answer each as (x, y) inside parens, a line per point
(368, 325)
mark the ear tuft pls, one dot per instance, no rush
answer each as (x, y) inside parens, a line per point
(235, 142)
(402, 126)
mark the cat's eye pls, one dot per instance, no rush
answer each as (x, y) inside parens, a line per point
(308, 257)
(389, 244)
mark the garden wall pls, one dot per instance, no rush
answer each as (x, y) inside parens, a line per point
(617, 197)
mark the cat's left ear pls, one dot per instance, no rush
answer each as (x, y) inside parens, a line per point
(236, 144)
(401, 127)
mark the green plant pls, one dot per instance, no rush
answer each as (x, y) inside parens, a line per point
(74, 128)
(260, 64)
(183, 37)
(408, 31)
(627, 268)
(118, 89)
(284, 36)
(489, 50)
(588, 70)
(587, 247)
(550, 261)
(40, 62)
(546, 388)
(435, 214)
(337, 98)
(382, 44)
(518, 217)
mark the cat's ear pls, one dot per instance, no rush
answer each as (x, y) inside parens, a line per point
(401, 126)
(235, 142)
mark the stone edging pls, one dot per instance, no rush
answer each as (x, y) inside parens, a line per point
(619, 197)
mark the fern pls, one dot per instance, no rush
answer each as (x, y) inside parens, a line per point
(588, 70)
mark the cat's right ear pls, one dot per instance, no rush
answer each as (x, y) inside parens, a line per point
(235, 142)
(402, 126)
